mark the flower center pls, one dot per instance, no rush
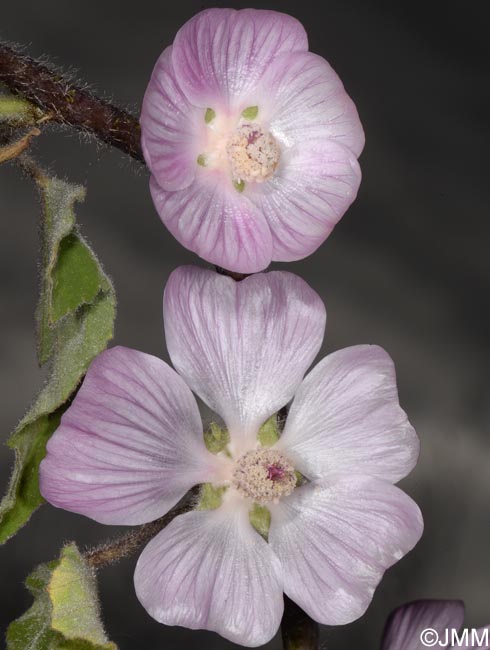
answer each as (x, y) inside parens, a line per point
(264, 475)
(253, 154)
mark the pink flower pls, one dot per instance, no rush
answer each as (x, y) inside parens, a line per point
(251, 140)
(431, 623)
(131, 445)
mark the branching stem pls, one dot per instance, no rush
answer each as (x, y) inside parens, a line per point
(68, 104)
(116, 549)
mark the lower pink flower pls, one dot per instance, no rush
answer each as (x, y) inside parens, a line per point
(131, 445)
(432, 623)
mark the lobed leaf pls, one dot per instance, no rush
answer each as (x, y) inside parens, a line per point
(65, 612)
(75, 317)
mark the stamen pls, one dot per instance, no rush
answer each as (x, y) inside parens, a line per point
(253, 154)
(264, 475)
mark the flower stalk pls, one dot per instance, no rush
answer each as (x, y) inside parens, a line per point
(121, 547)
(298, 630)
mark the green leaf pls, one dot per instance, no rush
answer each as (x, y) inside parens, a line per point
(75, 315)
(65, 613)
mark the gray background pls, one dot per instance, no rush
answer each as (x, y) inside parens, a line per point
(406, 268)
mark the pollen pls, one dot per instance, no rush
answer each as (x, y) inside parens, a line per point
(253, 154)
(264, 475)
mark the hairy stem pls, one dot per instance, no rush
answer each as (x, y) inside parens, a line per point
(299, 631)
(114, 550)
(68, 104)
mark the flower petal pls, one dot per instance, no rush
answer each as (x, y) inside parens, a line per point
(171, 128)
(210, 570)
(336, 538)
(302, 98)
(346, 418)
(405, 625)
(217, 223)
(130, 445)
(309, 193)
(243, 347)
(220, 54)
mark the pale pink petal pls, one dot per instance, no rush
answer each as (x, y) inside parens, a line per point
(346, 418)
(210, 570)
(243, 347)
(336, 538)
(309, 193)
(218, 223)
(405, 625)
(220, 54)
(130, 445)
(171, 128)
(302, 98)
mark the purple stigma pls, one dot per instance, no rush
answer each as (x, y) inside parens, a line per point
(275, 472)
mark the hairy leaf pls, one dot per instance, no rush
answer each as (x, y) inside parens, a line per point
(65, 613)
(75, 317)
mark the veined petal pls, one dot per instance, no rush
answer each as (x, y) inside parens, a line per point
(346, 418)
(310, 191)
(302, 98)
(220, 54)
(210, 570)
(243, 347)
(405, 625)
(130, 445)
(217, 223)
(336, 538)
(171, 128)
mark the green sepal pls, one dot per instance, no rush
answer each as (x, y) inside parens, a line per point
(250, 113)
(75, 317)
(65, 612)
(216, 438)
(209, 115)
(260, 518)
(210, 497)
(269, 432)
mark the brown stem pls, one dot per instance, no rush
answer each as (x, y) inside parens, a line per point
(128, 543)
(299, 631)
(68, 104)
(15, 149)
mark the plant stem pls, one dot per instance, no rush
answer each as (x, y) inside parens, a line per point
(67, 104)
(116, 549)
(299, 631)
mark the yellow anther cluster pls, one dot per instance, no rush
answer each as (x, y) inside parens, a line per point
(264, 475)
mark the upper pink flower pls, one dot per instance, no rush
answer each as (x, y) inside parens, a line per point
(431, 623)
(131, 445)
(251, 140)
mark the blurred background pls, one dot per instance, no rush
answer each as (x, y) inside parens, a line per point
(407, 268)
